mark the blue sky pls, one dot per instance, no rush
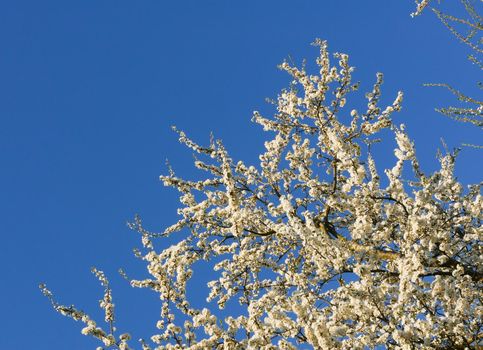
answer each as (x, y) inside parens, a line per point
(89, 90)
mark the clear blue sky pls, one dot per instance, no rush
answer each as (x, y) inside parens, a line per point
(89, 89)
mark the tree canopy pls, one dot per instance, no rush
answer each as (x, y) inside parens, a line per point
(315, 245)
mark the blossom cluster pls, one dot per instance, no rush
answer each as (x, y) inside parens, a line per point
(420, 6)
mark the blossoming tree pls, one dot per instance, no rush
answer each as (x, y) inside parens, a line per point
(317, 247)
